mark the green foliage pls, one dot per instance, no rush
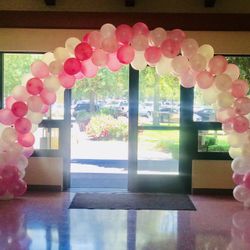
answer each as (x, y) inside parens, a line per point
(83, 116)
(218, 148)
(209, 141)
(106, 127)
(169, 147)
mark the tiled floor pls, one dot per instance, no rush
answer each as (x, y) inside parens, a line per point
(43, 221)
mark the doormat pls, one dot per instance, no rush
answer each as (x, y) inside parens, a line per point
(134, 201)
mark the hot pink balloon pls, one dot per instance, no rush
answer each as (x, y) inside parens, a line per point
(72, 66)
(86, 37)
(19, 109)
(246, 180)
(3, 186)
(99, 58)
(240, 88)
(26, 140)
(217, 65)
(9, 173)
(18, 187)
(7, 117)
(10, 100)
(124, 33)
(28, 151)
(204, 79)
(242, 106)
(176, 35)
(48, 97)
(67, 81)
(125, 54)
(34, 86)
(240, 124)
(170, 48)
(140, 29)
(23, 125)
(39, 69)
(89, 69)
(113, 63)
(83, 51)
(152, 54)
(237, 178)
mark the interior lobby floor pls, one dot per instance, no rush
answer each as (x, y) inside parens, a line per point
(42, 220)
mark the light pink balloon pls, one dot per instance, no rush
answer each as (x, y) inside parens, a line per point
(23, 125)
(204, 79)
(180, 65)
(242, 106)
(45, 108)
(240, 124)
(26, 140)
(28, 151)
(34, 86)
(157, 36)
(198, 62)
(140, 29)
(7, 117)
(187, 79)
(39, 69)
(246, 180)
(79, 75)
(10, 100)
(95, 39)
(189, 47)
(217, 65)
(152, 54)
(89, 69)
(99, 58)
(233, 71)
(237, 178)
(124, 34)
(170, 48)
(72, 66)
(240, 88)
(176, 35)
(67, 81)
(225, 115)
(35, 103)
(140, 42)
(113, 63)
(48, 97)
(125, 54)
(19, 109)
(110, 44)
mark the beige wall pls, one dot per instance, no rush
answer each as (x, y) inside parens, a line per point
(164, 6)
(45, 171)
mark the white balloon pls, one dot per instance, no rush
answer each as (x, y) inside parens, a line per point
(71, 43)
(241, 165)
(48, 58)
(139, 62)
(164, 66)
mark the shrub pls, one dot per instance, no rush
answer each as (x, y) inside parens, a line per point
(218, 148)
(106, 127)
(169, 147)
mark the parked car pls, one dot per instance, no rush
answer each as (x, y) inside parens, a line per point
(206, 114)
(83, 106)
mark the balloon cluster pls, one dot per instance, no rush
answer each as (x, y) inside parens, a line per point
(112, 47)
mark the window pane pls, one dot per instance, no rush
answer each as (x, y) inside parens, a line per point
(159, 99)
(212, 141)
(158, 152)
(46, 138)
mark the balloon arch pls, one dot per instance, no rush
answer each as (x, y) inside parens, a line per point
(112, 47)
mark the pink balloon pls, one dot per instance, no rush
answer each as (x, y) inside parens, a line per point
(124, 34)
(242, 106)
(83, 51)
(35, 103)
(34, 86)
(19, 109)
(9, 173)
(10, 100)
(110, 44)
(217, 65)
(237, 178)
(26, 140)
(95, 39)
(189, 47)
(89, 69)
(67, 81)
(39, 69)
(233, 71)
(188, 79)
(48, 97)
(246, 180)
(125, 54)
(176, 35)
(240, 88)
(18, 187)
(204, 79)
(72, 66)
(23, 125)
(140, 29)
(225, 115)
(7, 117)
(139, 42)
(28, 151)
(113, 63)
(86, 37)
(79, 75)
(180, 65)
(99, 58)
(170, 48)
(152, 54)
(240, 124)
(45, 108)
(157, 36)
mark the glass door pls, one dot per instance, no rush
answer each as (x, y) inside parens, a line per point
(160, 114)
